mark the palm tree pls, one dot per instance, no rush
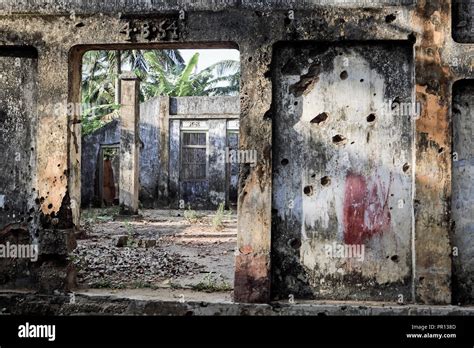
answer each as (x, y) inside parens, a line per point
(98, 89)
(162, 72)
(225, 78)
(222, 78)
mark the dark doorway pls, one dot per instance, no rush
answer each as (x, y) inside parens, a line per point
(109, 165)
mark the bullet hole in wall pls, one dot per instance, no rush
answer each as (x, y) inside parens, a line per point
(395, 103)
(320, 118)
(284, 162)
(371, 118)
(325, 181)
(344, 75)
(390, 18)
(338, 139)
(308, 190)
(295, 243)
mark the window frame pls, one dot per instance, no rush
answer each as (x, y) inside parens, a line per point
(182, 146)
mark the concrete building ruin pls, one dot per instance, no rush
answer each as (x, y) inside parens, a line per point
(168, 127)
(324, 97)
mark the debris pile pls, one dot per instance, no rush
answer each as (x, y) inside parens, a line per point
(107, 266)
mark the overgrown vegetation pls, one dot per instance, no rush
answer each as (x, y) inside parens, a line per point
(131, 241)
(192, 216)
(76, 260)
(218, 219)
(94, 215)
(212, 282)
(106, 284)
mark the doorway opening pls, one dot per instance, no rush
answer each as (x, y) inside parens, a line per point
(167, 119)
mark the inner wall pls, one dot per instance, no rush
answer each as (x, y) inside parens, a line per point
(343, 140)
(462, 21)
(18, 208)
(462, 192)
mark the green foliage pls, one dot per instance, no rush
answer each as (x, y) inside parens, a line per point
(106, 284)
(162, 73)
(110, 153)
(192, 216)
(222, 78)
(218, 219)
(212, 283)
(131, 241)
(95, 215)
(77, 260)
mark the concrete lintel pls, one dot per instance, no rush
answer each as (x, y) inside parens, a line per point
(205, 116)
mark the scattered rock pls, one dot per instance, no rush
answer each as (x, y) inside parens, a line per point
(108, 266)
(121, 241)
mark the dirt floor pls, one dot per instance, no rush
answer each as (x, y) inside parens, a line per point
(168, 252)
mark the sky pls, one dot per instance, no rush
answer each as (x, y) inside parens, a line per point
(208, 57)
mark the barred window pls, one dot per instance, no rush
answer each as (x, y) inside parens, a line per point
(194, 156)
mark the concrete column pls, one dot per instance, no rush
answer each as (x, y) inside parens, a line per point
(174, 163)
(149, 152)
(217, 165)
(164, 140)
(129, 144)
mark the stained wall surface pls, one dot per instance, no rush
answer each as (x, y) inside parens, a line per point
(18, 72)
(463, 191)
(343, 155)
(361, 181)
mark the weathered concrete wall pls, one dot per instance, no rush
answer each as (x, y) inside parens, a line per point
(463, 191)
(61, 31)
(210, 115)
(153, 172)
(436, 56)
(463, 162)
(463, 23)
(204, 107)
(342, 170)
(25, 304)
(134, 6)
(18, 126)
(18, 73)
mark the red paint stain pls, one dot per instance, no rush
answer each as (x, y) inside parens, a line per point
(366, 211)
